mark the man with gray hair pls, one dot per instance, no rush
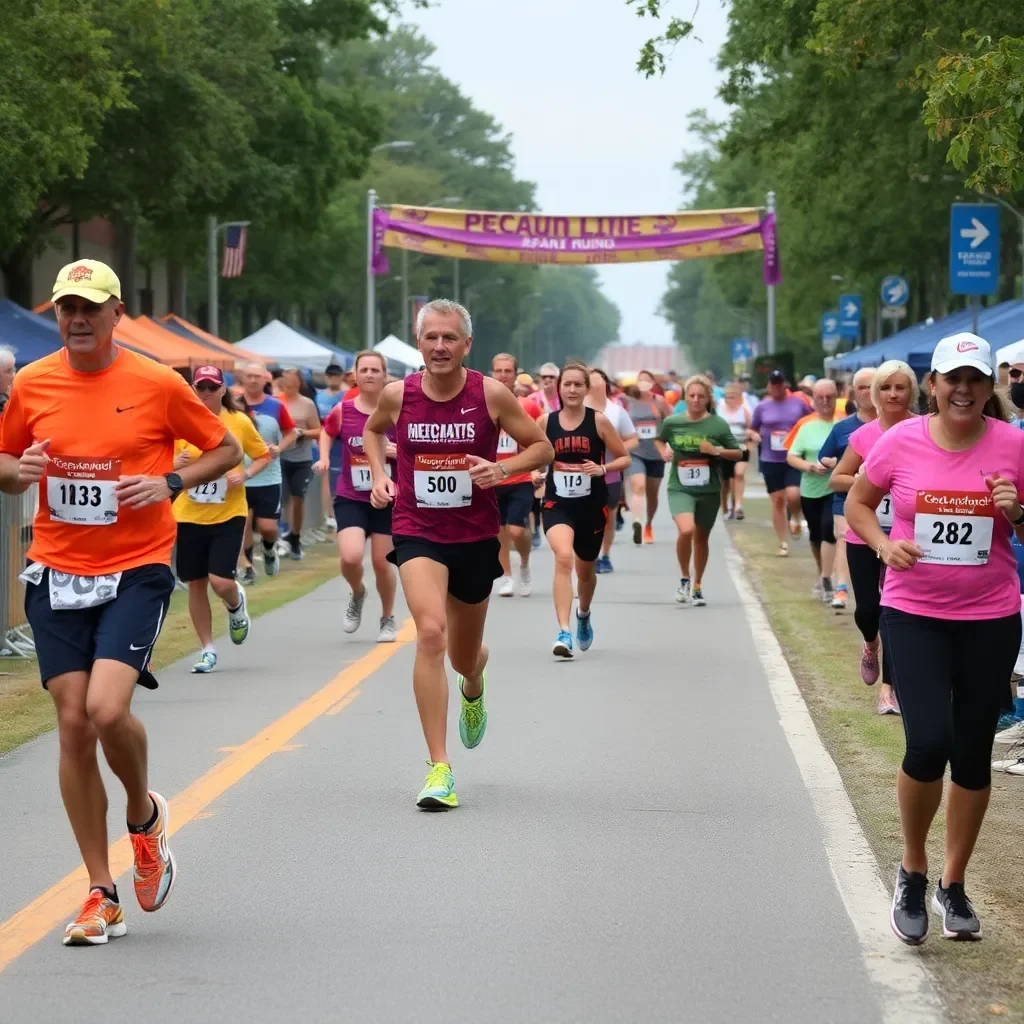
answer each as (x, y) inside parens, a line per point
(547, 398)
(6, 374)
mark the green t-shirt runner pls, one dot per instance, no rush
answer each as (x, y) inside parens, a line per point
(806, 445)
(689, 464)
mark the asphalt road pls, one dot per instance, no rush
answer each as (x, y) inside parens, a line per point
(635, 843)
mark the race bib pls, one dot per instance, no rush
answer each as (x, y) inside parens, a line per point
(359, 467)
(778, 440)
(570, 480)
(647, 430)
(884, 512)
(507, 446)
(694, 474)
(213, 493)
(954, 527)
(80, 491)
(442, 481)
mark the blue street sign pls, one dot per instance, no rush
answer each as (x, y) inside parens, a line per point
(829, 326)
(743, 349)
(849, 316)
(973, 248)
(895, 291)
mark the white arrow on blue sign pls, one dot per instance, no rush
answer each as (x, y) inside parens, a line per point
(849, 316)
(895, 291)
(973, 248)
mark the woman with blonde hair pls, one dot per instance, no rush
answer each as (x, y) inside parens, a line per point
(894, 393)
(694, 442)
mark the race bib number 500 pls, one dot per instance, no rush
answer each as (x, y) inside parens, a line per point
(442, 481)
(954, 527)
(81, 490)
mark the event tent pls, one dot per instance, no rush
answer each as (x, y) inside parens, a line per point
(278, 342)
(182, 327)
(29, 336)
(394, 350)
(999, 325)
(166, 346)
(346, 360)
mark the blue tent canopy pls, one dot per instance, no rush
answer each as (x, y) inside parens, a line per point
(30, 337)
(998, 325)
(345, 360)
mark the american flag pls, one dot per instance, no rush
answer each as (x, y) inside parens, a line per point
(234, 252)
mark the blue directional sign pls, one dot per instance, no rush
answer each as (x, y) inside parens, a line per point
(849, 316)
(895, 291)
(973, 248)
(830, 331)
(743, 349)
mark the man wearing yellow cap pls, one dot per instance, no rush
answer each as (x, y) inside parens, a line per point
(94, 426)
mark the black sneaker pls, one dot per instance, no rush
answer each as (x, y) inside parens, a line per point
(270, 563)
(959, 921)
(909, 914)
(637, 531)
(247, 577)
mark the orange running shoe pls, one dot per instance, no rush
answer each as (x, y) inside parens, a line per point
(154, 864)
(99, 919)
(648, 535)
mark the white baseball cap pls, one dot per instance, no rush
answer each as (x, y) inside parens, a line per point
(964, 349)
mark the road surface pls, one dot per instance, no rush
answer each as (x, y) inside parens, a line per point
(636, 841)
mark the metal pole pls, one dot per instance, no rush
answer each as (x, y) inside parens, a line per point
(771, 294)
(371, 298)
(405, 296)
(455, 280)
(975, 308)
(211, 276)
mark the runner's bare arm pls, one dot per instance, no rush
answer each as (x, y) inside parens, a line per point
(721, 451)
(510, 416)
(324, 445)
(846, 472)
(389, 408)
(861, 502)
(664, 449)
(139, 491)
(615, 444)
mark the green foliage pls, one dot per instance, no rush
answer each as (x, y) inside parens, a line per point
(651, 61)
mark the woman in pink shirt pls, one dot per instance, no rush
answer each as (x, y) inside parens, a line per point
(950, 611)
(894, 393)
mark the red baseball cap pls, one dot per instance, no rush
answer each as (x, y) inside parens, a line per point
(208, 373)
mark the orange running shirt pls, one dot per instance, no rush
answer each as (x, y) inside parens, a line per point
(121, 421)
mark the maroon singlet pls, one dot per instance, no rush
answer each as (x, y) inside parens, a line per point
(434, 497)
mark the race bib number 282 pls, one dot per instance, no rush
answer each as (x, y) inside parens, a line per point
(954, 528)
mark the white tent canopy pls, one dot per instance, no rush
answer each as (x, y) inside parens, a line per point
(279, 343)
(1011, 353)
(397, 351)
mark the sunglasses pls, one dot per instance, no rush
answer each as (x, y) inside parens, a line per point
(208, 386)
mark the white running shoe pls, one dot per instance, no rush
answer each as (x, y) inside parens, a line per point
(683, 592)
(238, 620)
(506, 586)
(388, 630)
(331, 523)
(354, 612)
(207, 663)
(1015, 734)
(525, 580)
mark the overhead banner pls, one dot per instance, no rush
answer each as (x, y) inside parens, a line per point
(542, 238)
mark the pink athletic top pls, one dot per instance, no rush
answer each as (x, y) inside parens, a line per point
(347, 422)
(862, 440)
(940, 501)
(434, 496)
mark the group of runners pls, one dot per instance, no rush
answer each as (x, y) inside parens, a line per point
(433, 467)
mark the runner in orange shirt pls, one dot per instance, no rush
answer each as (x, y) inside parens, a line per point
(94, 425)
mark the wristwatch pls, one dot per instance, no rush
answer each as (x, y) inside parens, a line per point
(504, 469)
(1020, 520)
(174, 484)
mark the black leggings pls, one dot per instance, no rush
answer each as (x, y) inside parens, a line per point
(951, 678)
(820, 521)
(866, 572)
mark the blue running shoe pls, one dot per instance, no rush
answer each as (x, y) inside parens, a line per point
(604, 565)
(563, 645)
(584, 631)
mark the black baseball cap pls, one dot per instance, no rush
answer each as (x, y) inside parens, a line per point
(776, 377)
(332, 369)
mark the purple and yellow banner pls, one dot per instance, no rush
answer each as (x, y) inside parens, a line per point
(542, 238)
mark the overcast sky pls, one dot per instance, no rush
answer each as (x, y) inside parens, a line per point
(596, 137)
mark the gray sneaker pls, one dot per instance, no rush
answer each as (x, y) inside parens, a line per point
(271, 564)
(354, 612)
(388, 630)
(683, 592)
(959, 921)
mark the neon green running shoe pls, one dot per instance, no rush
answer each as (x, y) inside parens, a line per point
(438, 793)
(473, 720)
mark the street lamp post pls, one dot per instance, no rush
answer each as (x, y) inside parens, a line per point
(212, 277)
(770, 333)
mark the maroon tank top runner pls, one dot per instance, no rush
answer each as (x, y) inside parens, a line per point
(435, 498)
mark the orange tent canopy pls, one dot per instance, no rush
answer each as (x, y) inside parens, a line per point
(236, 351)
(165, 346)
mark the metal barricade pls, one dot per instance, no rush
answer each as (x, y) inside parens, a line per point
(17, 511)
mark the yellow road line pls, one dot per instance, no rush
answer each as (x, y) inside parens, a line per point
(35, 921)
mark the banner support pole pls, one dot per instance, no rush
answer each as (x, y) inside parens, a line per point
(371, 298)
(770, 333)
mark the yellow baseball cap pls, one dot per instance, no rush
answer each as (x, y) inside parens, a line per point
(88, 279)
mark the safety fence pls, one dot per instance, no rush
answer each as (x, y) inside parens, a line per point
(16, 514)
